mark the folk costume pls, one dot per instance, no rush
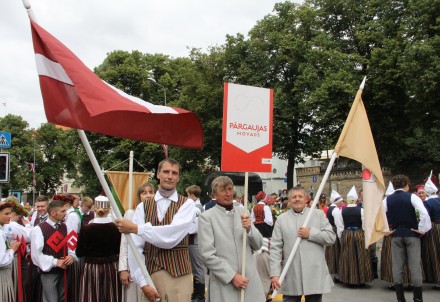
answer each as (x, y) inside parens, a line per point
(163, 227)
(405, 245)
(431, 240)
(262, 216)
(220, 244)
(99, 244)
(354, 260)
(332, 251)
(7, 292)
(53, 279)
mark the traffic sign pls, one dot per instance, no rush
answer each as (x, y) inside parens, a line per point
(5, 140)
(315, 179)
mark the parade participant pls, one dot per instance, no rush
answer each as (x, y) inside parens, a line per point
(132, 292)
(52, 262)
(194, 192)
(221, 243)
(237, 200)
(262, 216)
(431, 240)
(40, 215)
(262, 261)
(73, 223)
(420, 189)
(323, 203)
(7, 251)
(405, 245)
(354, 260)
(20, 233)
(99, 244)
(308, 274)
(86, 211)
(162, 224)
(332, 251)
(210, 204)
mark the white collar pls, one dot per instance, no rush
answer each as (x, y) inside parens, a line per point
(173, 197)
(261, 202)
(102, 220)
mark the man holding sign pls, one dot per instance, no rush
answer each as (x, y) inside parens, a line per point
(220, 245)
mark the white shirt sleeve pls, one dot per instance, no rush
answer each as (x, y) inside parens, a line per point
(339, 221)
(268, 216)
(425, 221)
(195, 224)
(73, 222)
(44, 262)
(6, 255)
(135, 270)
(166, 236)
(252, 216)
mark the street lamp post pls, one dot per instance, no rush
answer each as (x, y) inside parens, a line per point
(164, 89)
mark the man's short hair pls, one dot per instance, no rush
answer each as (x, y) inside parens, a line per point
(400, 181)
(221, 182)
(194, 190)
(56, 204)
(171, 161)
(42, 198)
(297, 188)
(87, 201)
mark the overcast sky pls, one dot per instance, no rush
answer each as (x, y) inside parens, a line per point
(93, 28)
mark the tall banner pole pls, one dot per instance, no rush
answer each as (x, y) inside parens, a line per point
(130, 181)
(306, 222)
(115, 208)
(243, 255)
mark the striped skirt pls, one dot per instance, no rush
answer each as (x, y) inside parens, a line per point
(100, 282)
(354, 260)
(74, 280)
(431, 254)
(332, 255)
(7, 292)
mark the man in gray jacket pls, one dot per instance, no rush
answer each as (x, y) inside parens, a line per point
(308, 274)
(221, 244)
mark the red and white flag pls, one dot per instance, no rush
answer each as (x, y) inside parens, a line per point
(75, 97)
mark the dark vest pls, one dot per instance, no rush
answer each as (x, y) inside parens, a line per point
(259, 213)
(38, 220)
(176, 260)
(210, 204)
(48, 231)
(352, 217)
(330, 217)
(433, 207)
(401, 214)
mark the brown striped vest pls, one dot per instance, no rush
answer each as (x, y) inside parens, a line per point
(176, 260)
(259, 213)
(48, 231)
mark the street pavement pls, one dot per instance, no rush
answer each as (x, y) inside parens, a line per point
(376, 291)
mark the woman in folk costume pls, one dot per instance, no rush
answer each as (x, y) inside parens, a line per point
(332, 251)
(99, 244)
(354, 259)
(431, 240)
(131, 291)
(7, 250)
(262, 216)
(19, 231)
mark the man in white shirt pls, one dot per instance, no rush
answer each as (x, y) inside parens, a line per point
(51, 260)
(162, 225)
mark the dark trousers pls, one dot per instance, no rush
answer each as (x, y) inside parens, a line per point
(309, 298)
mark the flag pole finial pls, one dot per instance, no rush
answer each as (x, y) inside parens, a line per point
(363, 83)
(26, 4)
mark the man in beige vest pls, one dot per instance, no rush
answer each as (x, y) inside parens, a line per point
(161, 226)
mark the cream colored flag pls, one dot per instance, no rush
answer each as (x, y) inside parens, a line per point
(356, 142)
(119, 181)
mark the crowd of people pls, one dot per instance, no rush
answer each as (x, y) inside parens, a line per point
(72, 250)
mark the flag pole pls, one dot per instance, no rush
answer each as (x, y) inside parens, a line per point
(115, 208)
(306, 222)
(130, 181)
(243, 255)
